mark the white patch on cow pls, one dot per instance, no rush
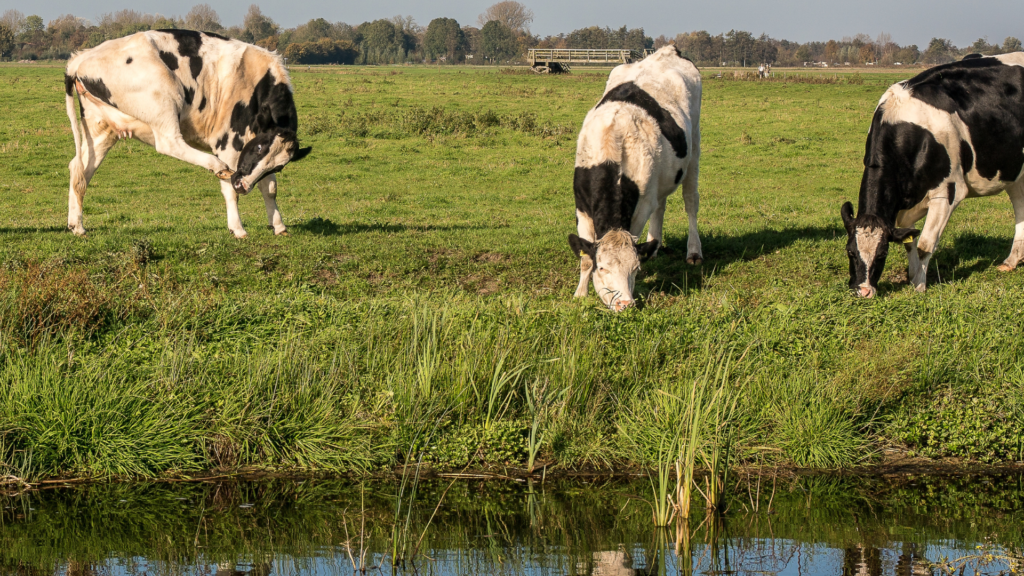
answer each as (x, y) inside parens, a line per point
(869, 240)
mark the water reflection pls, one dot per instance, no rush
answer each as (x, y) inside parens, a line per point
(816, 525)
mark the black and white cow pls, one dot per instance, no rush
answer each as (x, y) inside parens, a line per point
(952, 132)
(217, 103)
(635, 147)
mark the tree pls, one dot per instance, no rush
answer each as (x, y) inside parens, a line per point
(256, 26)
(14, 20)
(34, 24)
(515, 16)
(204, 18)
(6, 39)
(323, 51)
(940, 51)
(498, 41)
(444, 37)
(382, 41)
(1011, 44)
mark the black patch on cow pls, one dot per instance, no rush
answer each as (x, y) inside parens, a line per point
(170, 60)
(222, 142)
(215, 35)
(202, 104)
(189, 42)
(97, 88)
(190, 95)
(630, 93)
(129, 60)
(966, 157)
(971, 57)
(69, 85)
(258, 148)
(679, 176)
(236, 143)
(988, 96)
(606, 195)
(270, 106)
(951, 192)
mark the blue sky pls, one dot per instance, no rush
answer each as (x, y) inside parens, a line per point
(909, 22)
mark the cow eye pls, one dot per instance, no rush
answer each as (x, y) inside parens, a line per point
(259, 147)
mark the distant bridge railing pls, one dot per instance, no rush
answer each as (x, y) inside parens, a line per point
(560, 59)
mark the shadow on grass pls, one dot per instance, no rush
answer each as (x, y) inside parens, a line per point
(325, 227)
(722, 250)
(956, 260)
(33, 229)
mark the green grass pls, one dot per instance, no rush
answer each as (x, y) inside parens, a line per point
(427, 285)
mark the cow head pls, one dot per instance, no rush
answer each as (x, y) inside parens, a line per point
(616, 257)
(867, 247)
(268, 152)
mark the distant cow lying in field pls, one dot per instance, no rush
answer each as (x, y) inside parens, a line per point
(635, 147)
(179, 90)
(952, 132)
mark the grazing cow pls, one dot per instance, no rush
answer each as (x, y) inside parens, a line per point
(952, 132)
(195, 96)
(635, 147)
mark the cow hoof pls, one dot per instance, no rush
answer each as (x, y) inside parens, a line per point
(281, 233)
(1005, 268)
(225, 174)
(239, 235)
(80, 232)
(694, 259)
(921, 288)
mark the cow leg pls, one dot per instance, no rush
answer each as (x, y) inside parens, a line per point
(231, 199)
(691, 201)
(97, 140)
(907, 219)
(585, 230)
(655, 230)
(586, 269)
(268, 187)
(1016, 193)
(172, 144)
(939, 210)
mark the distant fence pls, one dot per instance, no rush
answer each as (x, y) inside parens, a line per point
(560, 59)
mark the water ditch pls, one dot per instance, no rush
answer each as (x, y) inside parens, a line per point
(799, 525)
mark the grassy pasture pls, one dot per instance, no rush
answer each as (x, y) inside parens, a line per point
(421, 306)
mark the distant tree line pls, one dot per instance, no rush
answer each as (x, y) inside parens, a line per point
(501, 35)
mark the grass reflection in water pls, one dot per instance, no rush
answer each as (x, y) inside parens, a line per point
(816, 525)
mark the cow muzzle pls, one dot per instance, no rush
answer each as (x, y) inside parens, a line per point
(622, 303)
(866, 291)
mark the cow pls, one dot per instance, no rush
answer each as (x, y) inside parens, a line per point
(635, 147)
(952, 132)
(220, 104)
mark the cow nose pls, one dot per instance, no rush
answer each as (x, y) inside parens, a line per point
(621, 305)
(867, 291)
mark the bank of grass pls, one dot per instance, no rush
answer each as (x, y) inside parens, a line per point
(423, 298)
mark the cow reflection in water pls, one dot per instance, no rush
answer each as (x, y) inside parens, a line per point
(609, 563)
(233, 569)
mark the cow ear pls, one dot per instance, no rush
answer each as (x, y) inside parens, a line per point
(904, 235)
(580, 247)
(847, 213)
(302, 153)
(646, 250)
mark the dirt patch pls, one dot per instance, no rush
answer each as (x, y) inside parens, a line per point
(490, 257)
(481, 284)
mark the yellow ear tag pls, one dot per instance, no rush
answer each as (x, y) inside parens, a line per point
(908, 240)
(582, 254)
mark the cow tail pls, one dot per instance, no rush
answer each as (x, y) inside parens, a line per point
(76, 167)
